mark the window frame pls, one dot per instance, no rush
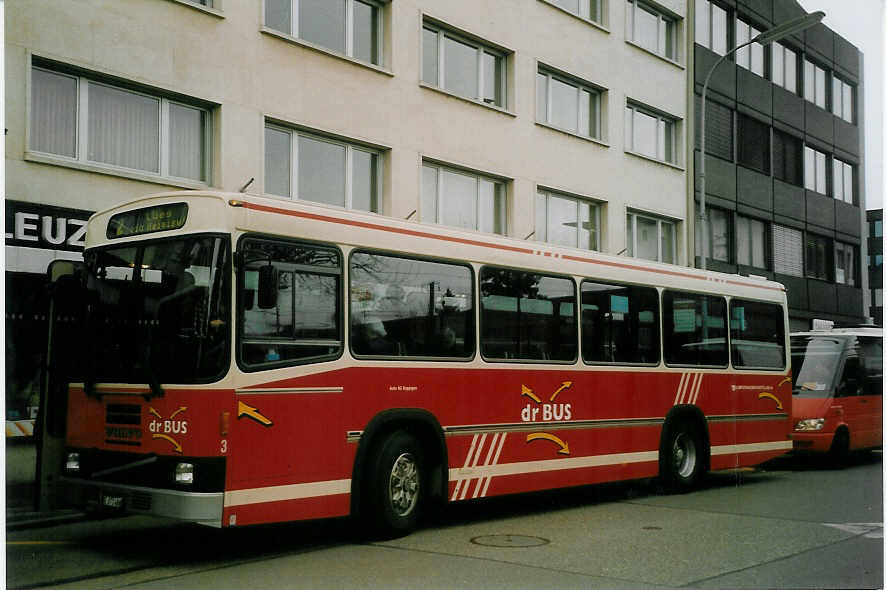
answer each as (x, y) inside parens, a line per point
(544, 274)
(796, 235)
(841, 193)
(810, 85)
(585, 10)
(80, 159)
(781, 326)
(707, 42)
(631, 232)
(767, 232)
(595, 113)
(816, 162)
(350, 147)
(481, 48)
(595, 214)
(240, 309)
(745, 149)
(662, 123)
(657, 323)
(669, 51)
(838, 83)
(814, 266)
(781, 53)
(418, 258)
(663, 297)
(748, 56)
(349, 30)
(848, 253)
(731, 244)
(440, 199)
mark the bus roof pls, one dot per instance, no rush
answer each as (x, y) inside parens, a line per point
(241, 213)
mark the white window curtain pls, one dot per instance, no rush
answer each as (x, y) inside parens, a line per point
(53, 113)
(124, 128)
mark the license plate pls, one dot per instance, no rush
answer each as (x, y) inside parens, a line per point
(115, 502)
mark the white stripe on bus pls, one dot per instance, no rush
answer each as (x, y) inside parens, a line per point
(343, 486)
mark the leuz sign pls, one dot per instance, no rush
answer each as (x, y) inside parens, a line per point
(45, 226)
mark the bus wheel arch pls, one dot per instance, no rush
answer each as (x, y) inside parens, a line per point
(838, 454)
(399, 428)
(684, 455)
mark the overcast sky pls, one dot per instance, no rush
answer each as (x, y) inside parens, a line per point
(861, 22)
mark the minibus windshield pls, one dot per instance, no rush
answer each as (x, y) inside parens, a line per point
(815, 361)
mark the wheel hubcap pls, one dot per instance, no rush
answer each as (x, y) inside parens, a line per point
(404, 482)
(684, 455)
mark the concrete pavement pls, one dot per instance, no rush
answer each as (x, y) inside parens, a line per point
(21, 489)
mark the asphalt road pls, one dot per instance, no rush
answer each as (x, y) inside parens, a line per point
(792, 524)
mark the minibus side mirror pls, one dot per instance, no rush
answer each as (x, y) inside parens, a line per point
(267, 287)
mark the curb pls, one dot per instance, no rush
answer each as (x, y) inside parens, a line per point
(33, 520)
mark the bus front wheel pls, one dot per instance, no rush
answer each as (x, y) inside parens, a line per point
(396, 486)
(682, 457)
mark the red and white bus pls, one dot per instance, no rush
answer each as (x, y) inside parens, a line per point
(251, 360)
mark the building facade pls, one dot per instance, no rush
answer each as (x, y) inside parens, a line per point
(560, 121)
(785, 159)
(875, 264)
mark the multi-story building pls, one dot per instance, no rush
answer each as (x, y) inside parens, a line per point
(875, 264)
(561, 121)
(785, 159)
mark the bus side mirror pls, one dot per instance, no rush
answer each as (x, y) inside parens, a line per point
(62, 268)
(267, 287)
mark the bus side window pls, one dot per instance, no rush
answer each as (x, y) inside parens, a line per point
(694, 327)
(527, 316)
(871, 351)
(851, 380)
(756, 332)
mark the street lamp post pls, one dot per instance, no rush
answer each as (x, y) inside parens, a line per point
(774, 34)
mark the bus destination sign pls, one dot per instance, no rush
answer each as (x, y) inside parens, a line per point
(148, 220)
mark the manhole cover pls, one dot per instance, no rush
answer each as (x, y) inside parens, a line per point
(509, 541)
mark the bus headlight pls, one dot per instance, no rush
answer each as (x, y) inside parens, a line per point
(809, 424)
(184, 474)
(73, 462)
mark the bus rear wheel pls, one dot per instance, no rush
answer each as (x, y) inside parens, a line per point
(396, 487)
(682, 457)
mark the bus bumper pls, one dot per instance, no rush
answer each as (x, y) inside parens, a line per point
(203, 508)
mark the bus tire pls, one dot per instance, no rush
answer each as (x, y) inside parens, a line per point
(838, 455)
(396, 486)
(682, 457)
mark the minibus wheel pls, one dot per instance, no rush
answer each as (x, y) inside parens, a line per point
(396, 486)
(838, 454)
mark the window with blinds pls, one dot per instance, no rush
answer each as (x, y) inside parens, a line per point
(87, 121)
(718, 128)
(787, 248)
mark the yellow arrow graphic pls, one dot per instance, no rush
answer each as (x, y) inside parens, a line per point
(530, 394)
(564, 446)
(768, 395)
(564, 385)
(178, 447)
(156, 413)
(178, 411)
(250, 412)
(785, 380)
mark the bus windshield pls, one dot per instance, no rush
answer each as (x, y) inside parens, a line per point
(815, 361)
(158, 311)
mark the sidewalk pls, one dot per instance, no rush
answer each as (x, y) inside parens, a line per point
(21, 489)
